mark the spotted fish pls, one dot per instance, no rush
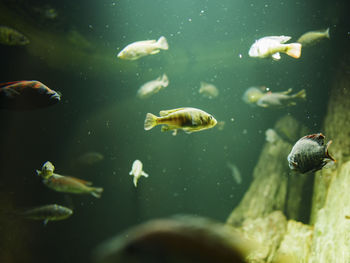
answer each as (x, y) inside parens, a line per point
(309, 154)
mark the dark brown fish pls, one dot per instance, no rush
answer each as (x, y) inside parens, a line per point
(309, 154)
(26, 95)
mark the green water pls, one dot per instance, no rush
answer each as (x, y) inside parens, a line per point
(99, 111)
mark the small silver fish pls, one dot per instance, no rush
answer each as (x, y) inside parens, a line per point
(313, 37)
(309, 154)
(137, 171)
(272, 46)
(280, 99)
(252, 95)
(140, 49)
(208, 90)
(271, 135)
(152, 87)
(90, 158)
(47, 213)
(236, 174)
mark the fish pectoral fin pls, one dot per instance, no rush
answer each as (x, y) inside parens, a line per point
(174, 132)
(166, 128)
(38, 173)
(188, 130)
(276, 56)
(167, 112)
(97, 192)
(11, 93)
(287, 91)
(155, 51)
(144, 174)
(294, 164)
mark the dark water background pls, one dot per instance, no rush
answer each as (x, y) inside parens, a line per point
(188, 173)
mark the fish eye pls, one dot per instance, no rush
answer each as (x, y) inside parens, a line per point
(210, 117)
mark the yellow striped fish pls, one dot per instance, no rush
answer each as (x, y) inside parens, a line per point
(187, 119)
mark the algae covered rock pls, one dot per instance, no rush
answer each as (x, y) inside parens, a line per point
(296, 243)
(332, 224)
(267, 232)
(273, 187)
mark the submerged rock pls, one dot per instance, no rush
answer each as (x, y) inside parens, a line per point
(268, 232)
(185, 239)
(273, 188)
(296, 243)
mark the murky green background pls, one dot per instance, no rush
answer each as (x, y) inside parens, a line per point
(209, 41)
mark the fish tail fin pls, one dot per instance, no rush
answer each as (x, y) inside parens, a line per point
(327, 33)
(294, 50)
(163, 43)
(165, 80)
(327, 153)
(97, 192)
(301, 94)
(135, 180)
(150, 121)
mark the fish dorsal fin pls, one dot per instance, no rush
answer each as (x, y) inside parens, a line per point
(79, 180)
(281, 39)
(318, 137)
(9, 83)
(149, 41)
(276, 56)
(167, 112)
(287, 91)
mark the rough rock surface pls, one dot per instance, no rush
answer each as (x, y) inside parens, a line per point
(267, 232)
(331, 241)
(296, 243)
(273, 187)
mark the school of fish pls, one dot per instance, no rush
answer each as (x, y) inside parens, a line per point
(309, 153)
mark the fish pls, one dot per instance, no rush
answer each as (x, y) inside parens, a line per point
(272, 46)
(47, 213)
(252, 95)
(137, 171)
(280, 99)
(46, 170)
(69, 184)
(27, 95)
(143, 48)
(312, 37)
(152, 87)
(309, 154)
(236, 174)
(12, 37)
(46, 11)
(187, 119)
(208, 90)
(271, 135)
(90, 158)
